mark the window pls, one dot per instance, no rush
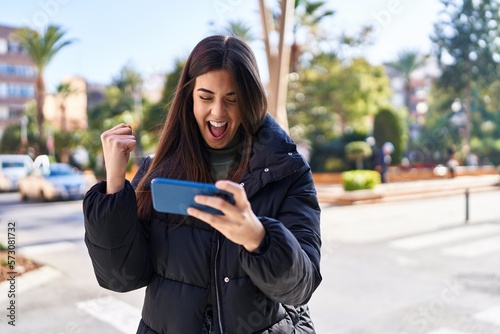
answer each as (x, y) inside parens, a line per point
(3, 46)
(3, 90)
(4, 112)
(12, 164)
(20, 90)
(15, 113)
(15, 47)
(16, 90)
(17, 70)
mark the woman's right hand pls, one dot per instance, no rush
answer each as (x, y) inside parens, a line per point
(117, 143)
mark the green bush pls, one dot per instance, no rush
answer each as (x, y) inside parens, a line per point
(360, 179)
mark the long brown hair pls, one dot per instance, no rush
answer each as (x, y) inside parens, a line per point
(181, 146)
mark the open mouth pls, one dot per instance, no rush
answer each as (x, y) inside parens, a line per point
(217, 129)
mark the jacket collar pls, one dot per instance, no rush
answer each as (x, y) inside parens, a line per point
(274, 156)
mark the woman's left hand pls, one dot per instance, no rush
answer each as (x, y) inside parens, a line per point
(239, 224)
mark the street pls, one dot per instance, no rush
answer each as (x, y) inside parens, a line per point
(403, 267)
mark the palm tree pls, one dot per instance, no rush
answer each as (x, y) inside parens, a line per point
(64, 90)
(283, 22)
(308, 14)
(408, 61)
(42, 47)
(240, 29)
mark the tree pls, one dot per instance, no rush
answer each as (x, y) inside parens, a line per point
(42, 47)
(284, 20)
(12, 138)
(129, 82)
(119, 96)
(330, 98)
(408, 61)
(387, 128)
(308, 16)
(239, 29)
(123, 102)
(467, 49)
(155, 115)
(358, 151)
(278, 56)
(63, 91)
(444, 126)
(65, 141)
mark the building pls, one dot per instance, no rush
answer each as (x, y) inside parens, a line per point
(68, 111)
(17, 79)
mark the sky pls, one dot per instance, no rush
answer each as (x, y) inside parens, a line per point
(152, 34)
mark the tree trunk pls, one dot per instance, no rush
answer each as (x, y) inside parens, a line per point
(359, 163)
(40, 118)
(278, 60)
(294, 56)
(407, 93)
(63, 118)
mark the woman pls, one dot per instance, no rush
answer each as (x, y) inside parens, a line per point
(251, 270)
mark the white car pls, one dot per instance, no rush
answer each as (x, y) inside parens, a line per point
(53, 181)
(12, 168)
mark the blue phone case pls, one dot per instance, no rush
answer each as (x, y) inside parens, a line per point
(175, 196)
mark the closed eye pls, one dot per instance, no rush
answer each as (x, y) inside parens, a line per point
(231, 97)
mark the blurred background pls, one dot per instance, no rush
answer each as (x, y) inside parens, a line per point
(394, 103)
(425, 70)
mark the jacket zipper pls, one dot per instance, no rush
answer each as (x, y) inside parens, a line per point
(217, 283)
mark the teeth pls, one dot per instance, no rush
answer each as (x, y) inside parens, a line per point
(218, 124)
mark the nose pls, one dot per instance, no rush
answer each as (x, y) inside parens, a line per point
(219, 108)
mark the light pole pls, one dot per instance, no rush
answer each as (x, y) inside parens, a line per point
(137, 95)
(24, 132)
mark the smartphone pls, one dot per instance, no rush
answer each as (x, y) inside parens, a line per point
(175, 196)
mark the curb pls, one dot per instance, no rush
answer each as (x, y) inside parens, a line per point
(28, 281)
(399, 191)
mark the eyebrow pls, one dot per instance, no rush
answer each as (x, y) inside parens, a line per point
(210, 92)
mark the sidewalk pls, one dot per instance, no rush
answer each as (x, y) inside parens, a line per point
(384, 264)
(406, 208)
(397, 191)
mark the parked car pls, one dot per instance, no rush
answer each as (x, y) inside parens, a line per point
(53, 181)
(12, 168)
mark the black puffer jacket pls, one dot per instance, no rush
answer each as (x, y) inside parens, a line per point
(251, 292)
